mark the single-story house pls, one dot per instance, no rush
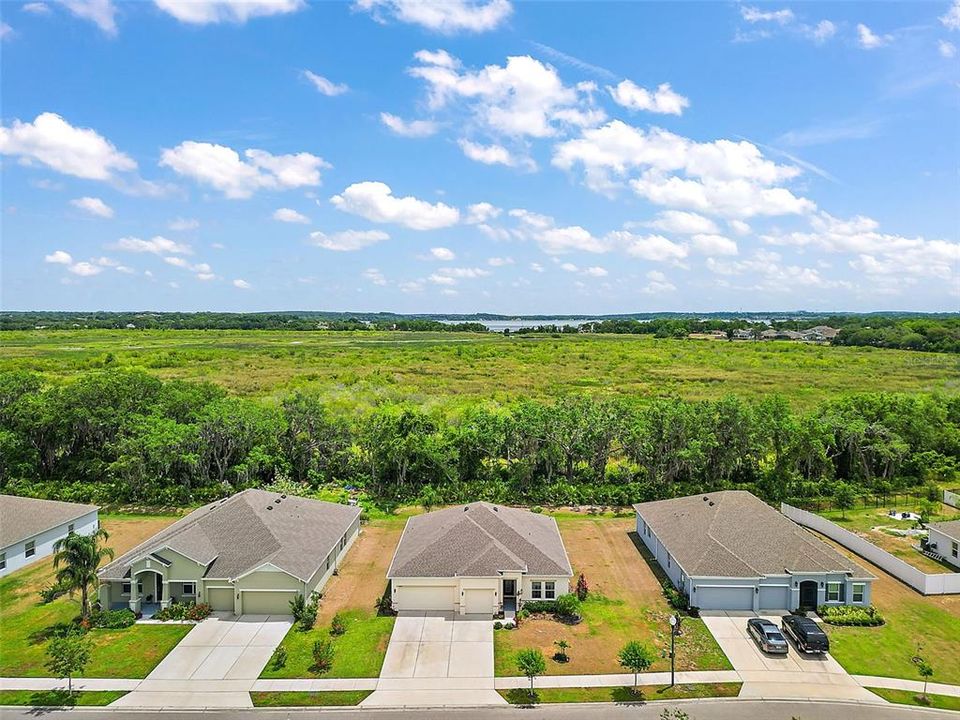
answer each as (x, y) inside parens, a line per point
(29, 528)
(478, 559)
(250, 553)
(944, 539)
(729, 550)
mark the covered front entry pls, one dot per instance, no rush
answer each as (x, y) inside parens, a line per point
(808, 595)
(220, 598)
(724, 598)
(266, 602)
(425, 597)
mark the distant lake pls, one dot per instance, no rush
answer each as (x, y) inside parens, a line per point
(514, 325)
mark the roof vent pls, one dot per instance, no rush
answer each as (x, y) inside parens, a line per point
(496, 509)
(269, 507)
(277, 501)
(711, 503)
(284, 497)
(705, 498)
(466, 507)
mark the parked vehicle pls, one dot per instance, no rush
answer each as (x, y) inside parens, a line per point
(806, 634)
(767, 636)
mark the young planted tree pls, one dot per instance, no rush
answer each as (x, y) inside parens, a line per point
(636, 657)
(76, 559)
(843, 498)
(926, 672)
(531, 663)
(583, 589)
(561, 654)
(68, 656)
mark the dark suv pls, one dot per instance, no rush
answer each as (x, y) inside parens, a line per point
(805, 633)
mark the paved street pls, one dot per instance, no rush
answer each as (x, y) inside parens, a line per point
(437, 658)
(794, 675)
(697, 709)
(215, 665)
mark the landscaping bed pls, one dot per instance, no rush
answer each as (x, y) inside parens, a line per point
(59, 698)
(328, 698)
(353, 594)
(644, 693)
(625, 603)
(127, 652)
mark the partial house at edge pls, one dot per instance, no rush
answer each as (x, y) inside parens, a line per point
(944, 539)
(251, 553)
(729, 550)
(29, 527)
(478, 559)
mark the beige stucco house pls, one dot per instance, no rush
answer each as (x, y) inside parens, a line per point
(478, 559)
(248, 554)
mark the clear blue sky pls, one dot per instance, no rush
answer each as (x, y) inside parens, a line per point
(480, 156)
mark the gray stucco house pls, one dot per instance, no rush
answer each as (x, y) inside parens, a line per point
(478, 559)
(250, 553)
(29, 527)
(729, 550)
(944, 539)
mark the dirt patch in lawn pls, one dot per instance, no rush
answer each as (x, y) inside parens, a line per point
(361, 580)
(626, 603)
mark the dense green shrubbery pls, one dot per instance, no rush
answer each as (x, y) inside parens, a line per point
(183, 611)
(113, 619)
(118, 436)
(534, 607)
(675, 598)
(850, 615)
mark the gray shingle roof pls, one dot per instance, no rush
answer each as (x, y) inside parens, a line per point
(735, 534)
(22, 518)
(950, 528)
(233, 536)
(480, 540)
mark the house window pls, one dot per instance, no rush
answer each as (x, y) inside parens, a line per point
(30, 549)
(3, 561)
(833, 592)
(125, 588)
(858, 589)
(69, 528)
(190, 588)
(536, 590)
(954, 548)
(550, 590)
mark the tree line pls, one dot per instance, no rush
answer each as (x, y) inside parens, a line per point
(119, 436)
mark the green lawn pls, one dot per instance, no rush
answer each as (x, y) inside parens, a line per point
(128, 653)
(907, 697)
(644, 693)
(358, 652)
(328, 698)
(59, 698)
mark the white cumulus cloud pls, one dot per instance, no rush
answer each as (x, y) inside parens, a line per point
(325, 86)
(205, 12)
(289, 215)
(93, 206)
(443, 16)
(158, 245)
(348, 240)
(662, 100)
(409, 128)
(59, 257)
(376, 202)
(868, 40)
(101, 13)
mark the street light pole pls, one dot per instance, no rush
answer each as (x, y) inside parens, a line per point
(674, 627)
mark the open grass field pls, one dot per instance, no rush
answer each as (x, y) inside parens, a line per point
(626, 603)
(642, 694)
(873, 525)
(444, 368)
(915, 624)
(353, 592)
(128, 653)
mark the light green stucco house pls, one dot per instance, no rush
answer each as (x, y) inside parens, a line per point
(248, 554)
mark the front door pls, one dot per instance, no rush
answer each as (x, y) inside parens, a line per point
(509, 588)
(808, 595)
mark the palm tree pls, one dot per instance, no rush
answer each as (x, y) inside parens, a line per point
(76, 560)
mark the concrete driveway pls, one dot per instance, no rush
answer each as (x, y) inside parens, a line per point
(794, 675)
(214, 665)
(437, 659)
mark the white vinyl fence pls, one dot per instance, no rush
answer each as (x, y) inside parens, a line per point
(951, 498)
(940, 584)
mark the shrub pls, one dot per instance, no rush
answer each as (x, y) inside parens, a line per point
(385, 605)
(322, 656)
(676, 599)
(279, 658)
(536, 509)
(540, 606)
(113, 619)
(304, 613)
(49, 594)
(508, 625)
(297, 606)
(568, 606)
(582, 588)
(197, 612)
(337, 625)
(850, 615)
(498, 625)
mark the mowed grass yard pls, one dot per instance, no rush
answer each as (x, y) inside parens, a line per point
(353, 592)
(867, 521)
(127, 653)
(625, 603)
(915, 624)
(449, 368)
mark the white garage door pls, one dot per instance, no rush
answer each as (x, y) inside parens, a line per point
(265, 602)
(478, 602)
(724, 598)
(220, 598)
(774, 598)
(424, 597)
